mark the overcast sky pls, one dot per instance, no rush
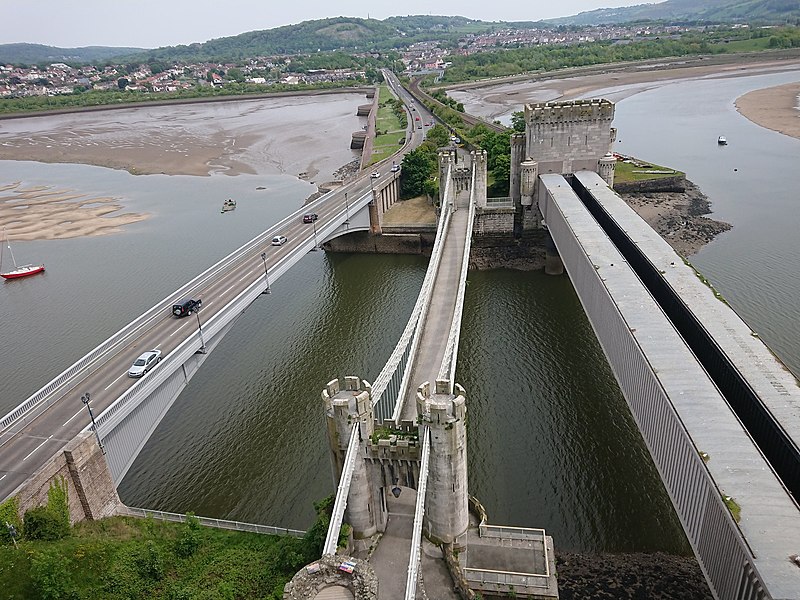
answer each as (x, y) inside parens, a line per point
(155, 23)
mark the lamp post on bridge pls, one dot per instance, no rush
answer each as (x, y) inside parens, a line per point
(266, 273)
(314, 225)
(86, 398)
(346, 212)
(202, 349)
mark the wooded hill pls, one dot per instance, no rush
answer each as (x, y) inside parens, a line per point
(766, 12)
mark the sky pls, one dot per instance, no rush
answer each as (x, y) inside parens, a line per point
(156, 23)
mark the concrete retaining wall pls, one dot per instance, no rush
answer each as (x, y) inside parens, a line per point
(90, 488)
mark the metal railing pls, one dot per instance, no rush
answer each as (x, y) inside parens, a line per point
(340, 504)
(500, 202)
(419, 514)
(211, 522)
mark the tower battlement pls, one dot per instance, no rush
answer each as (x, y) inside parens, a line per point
(551, 113)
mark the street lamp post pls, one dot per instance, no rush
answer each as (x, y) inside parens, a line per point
(314, 225)
(86, 398)
(346, 212)
(266, 273)
(202, 349)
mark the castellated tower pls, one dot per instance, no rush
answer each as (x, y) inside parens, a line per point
(517, 156)
(446, 504)
(346, 403)
(446, 161)
(479, 171)
(564, 137)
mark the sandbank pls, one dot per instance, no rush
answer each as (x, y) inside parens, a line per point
(44, 213)
(775, 108)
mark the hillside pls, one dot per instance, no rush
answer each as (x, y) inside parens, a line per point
(347, 34)
(34, 54)
(714, 11)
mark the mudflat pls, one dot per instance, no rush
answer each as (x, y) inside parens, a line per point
(307, 136)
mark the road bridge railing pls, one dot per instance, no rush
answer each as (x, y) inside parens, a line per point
(129, 400)
(391, 383)
(16, 419)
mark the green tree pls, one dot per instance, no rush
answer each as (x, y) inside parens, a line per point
(418, 167)
(518, 121)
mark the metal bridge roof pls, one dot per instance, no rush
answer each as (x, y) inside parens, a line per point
(770, 519)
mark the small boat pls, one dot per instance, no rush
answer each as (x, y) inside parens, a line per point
(229, 204)
(722, 141)
(17, 271)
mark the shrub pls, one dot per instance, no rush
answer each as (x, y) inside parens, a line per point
(41, 523)
(188, 539)
(149, 563)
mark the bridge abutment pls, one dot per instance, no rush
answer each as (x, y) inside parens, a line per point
(91, 492)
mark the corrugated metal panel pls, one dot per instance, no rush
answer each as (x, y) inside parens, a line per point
(678, 409)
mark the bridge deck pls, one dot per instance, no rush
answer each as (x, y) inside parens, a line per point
(435, 330)
(678, 408)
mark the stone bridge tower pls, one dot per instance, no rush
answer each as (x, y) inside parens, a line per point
(390, 457)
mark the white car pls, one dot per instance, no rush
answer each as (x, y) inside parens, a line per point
(279, 240)
(375, 175)
(144, 363)
(395, 167)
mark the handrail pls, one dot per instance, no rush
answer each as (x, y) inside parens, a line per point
(212, 522)
(339, 505)
(419, 514)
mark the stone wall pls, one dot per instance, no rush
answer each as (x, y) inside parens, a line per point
(661, 184)
(365, 242)
(90, 488)
(494, 220)
(568, 132)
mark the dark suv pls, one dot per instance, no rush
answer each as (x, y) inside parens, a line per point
(186, 307)
(309, 217)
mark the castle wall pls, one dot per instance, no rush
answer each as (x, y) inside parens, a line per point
(568, 132)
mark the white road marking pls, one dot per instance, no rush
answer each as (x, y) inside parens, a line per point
(3, 477)
(176, 331)
(115, 381)
(35, 449)
(64, 424)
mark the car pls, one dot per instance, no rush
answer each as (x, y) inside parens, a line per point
(310, 217)
(375, 175)
(419, 126)
(279, 240)
(144, 363)
(416, 118)
(186, 307)
(395, 167)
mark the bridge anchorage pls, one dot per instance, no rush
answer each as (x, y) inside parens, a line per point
(414, 473)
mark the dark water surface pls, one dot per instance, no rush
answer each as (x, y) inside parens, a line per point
(551, 443)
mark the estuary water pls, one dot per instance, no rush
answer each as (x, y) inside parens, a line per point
(551, 442)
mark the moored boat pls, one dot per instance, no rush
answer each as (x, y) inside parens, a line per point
(722, 141)
(17, 271)
(229, 204)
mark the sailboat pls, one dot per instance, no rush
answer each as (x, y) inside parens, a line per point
(18, 271)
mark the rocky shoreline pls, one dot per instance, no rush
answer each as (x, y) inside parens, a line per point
(656, 576)
(680, 217)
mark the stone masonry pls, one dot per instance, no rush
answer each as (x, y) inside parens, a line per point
(90, 488)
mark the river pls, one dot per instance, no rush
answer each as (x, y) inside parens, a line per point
(551, 443)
